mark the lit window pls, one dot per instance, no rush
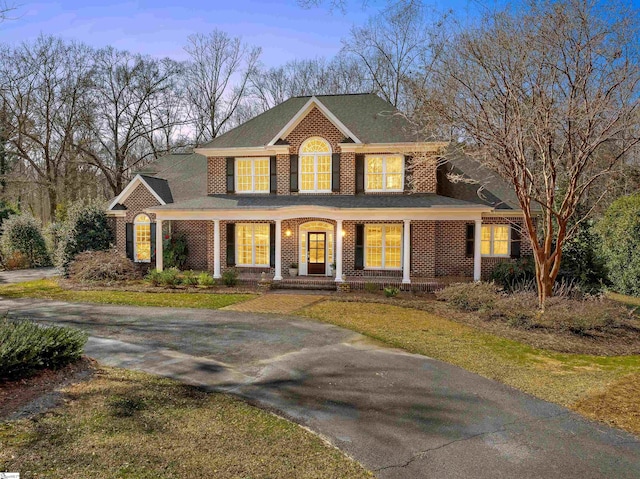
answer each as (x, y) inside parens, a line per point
(252, 244)
(252, 175)
(383, 246)
(315, 165)
(385, 173)
(494, 240)
(142, 239)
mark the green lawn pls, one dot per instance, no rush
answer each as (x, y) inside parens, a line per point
(49, 289)
(576, 381)
(124, 424)
(625, 299)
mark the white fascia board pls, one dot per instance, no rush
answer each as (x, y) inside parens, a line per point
(117, 213)
(268, 150)
(408, 147)
(351, 214)
(124, 194)
(298, 117)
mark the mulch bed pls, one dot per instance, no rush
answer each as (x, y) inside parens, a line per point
(619, 342)
(25, 397)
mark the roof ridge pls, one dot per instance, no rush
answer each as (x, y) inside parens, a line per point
(334, 94)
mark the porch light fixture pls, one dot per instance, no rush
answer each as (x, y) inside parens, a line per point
(343, 233)
(287, 233)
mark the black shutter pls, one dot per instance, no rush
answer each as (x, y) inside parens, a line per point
(273, 173)
(359, 257)
(129, 242)
(359, 173)
(293, 173)
(516, 242)
(470, 240)
(231, 183)
(153, 242)
(231, 244)
(272, 245)
(407, 174)
(335, 172)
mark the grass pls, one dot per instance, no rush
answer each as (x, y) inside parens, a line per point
(123, 424)
(632, 301)
(49, 289)
(582, 382)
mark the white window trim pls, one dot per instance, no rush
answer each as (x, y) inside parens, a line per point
(253, 175)
(491, 241)
(135, 239)
(315, 167)
(253, 247)
(384, 248)
(384, 174)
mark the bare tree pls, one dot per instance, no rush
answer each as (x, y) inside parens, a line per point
(308, 77)
(44, 89)
(397, 46)
(548, 98)
(133, 113)
(217, 80)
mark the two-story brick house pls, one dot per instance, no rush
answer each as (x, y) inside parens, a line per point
(330, 183)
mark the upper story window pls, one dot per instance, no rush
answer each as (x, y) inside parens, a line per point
(384, 173)
(252, 175)
(315, 166)
(495, 240)
(142, 239)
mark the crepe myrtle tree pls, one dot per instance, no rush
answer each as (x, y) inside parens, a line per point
(546, 96)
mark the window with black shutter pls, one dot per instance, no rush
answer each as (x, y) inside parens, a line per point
(516, 241)
(272, 245)
(129, 240)
(153, 242)
(293, 173)
(359, 252)
(359, 173)
(273, 172)
(470, 239)
(335, 172)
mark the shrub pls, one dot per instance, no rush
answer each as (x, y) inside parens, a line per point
(582, 261)
(175, 251)
(470, 296)
(512, 274)
(23, 234)
(154, 277)
(619, 230)
(102, 266)
(170, 277)
(16, 261)
(371, 287)
(85, 229)
(391, 291)
(206, 280)
(26, 347)
(189, 278)
(230, 277)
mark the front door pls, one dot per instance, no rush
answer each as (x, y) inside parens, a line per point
(317, 253)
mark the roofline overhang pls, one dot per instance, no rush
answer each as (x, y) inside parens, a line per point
(298, 117)
(266, 150)
(117, 213)
(397, 147)
(290, 212)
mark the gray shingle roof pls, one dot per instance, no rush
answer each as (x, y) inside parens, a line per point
(331, 201)
(369, 117)
(160, 186)
(185, 172)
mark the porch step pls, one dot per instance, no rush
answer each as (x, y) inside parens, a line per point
(324, 285)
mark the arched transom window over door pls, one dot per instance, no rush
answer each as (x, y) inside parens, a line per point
(315, 166)
(142, 239)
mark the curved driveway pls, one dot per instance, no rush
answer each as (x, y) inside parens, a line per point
(399, 414)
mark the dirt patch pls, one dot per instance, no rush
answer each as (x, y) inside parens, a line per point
(36, 394)
(617, 342)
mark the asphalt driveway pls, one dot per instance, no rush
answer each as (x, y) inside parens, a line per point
(399, 414)
(22, 275)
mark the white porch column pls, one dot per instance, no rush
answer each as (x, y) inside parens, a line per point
(159, 240)
(339, 251)
(278, 274)
(216, 249)
(477, 256)
(406, 255)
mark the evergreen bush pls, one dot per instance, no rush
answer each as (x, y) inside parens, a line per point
(22, 235)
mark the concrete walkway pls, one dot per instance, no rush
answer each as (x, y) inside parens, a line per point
(401, 415)
(22, 275)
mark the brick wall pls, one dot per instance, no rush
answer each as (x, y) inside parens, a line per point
(216, 175)
(451, 259)
(423, 171)
(139, 199)
(196, 233)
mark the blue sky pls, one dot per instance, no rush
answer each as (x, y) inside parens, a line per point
(160, 27)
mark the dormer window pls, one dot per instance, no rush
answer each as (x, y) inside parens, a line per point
(315, 166)
(252, 175)
(384, 173)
